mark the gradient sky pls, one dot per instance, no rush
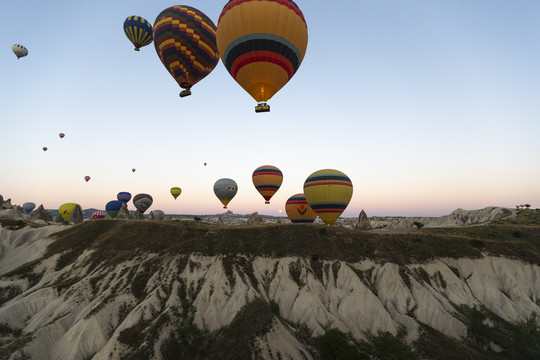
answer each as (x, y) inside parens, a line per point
(427, 105)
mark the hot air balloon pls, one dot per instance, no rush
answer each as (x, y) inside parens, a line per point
(123, 196)
(267, 180)
(175, 191)
(204, 164)
(45, 148)
(113, 207)
(133, 170)
(61, 135)
(19, 51)
(157, 214)
(28, 207)
(138, 30)
(66, 209)
(261, 44)
(298, 209)
(98, 215)
(142, 202)
(87, 178)
(185, 41)
(328, 192)
(225, 189)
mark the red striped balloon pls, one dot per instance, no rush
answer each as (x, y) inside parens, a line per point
(96, 215)
(267, 180)
(298, 209)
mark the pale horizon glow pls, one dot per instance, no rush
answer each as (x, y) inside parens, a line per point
(426, 106)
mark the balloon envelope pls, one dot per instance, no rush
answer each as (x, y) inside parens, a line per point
(175, 191)
(123, 196)
(225, 189)
(185, 41)
(113, 207)
(328, 192)
(19, 51)
(142, 202)
(61, 135)
(267, 180)
(87, 178)
(66, 209)
(157, 214)
(97, 215)
(298, 209)
(261, 44)
(133, 170)
(45, 148)
(138, 30)
(28, 207)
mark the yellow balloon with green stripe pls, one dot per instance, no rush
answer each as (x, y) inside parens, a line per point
(262, 43)
(175, 192)
(328, 193)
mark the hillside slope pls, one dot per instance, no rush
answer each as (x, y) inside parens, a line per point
(117, 289)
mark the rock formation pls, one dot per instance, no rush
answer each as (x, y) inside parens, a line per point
(219, 221)
(363, 222)
(151, 215)
(138, 215)
(59, 219)
(6, 204)
(76, 215)
(41, 214)
(123, 213)
(255, 219)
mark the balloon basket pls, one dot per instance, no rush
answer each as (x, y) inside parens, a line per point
(185, 93)
(267, 202)
(262, 107)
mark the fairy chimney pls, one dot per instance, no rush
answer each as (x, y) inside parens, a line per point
(363, 222)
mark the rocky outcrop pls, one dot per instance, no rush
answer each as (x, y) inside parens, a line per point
(123, 213)
(6, 204)
(76, 215)
(363, 222)
(41, 214)
(138, 215)
(255, 219)
(151, 215)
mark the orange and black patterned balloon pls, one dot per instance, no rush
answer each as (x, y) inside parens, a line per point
(185, 41)
(298, 209)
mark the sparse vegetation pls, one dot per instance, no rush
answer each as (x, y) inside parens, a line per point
(418, 224)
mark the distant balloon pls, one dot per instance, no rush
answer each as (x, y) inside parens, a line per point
(185, 41)
(61, 135)
(87, 178)
(175, 191)
(28, 207)
(267, 180)
(113, 207)
(138, 30)
(225, 189)
(133, 170)
(157, 214)
(204, 164)
(124, 196)
(19, 51)
(142, 202)
(328, 192)
(66, 209)
(98, 215)
(45, 148)
(298, 209)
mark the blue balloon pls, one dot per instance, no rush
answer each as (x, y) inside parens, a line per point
(124, 196)
(113, 207)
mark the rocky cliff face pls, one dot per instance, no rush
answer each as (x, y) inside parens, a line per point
(80, 304)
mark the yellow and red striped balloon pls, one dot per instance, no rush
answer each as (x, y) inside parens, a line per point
(328, 192)
(267, 180)
(262, 43)
(298, 209)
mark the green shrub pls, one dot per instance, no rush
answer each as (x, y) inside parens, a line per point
(336, 345)
(526, 338)
(386, 346)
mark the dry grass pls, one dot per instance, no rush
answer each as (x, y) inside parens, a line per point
(116, 241)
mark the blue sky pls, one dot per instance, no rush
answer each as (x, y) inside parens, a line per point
(426, 105)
